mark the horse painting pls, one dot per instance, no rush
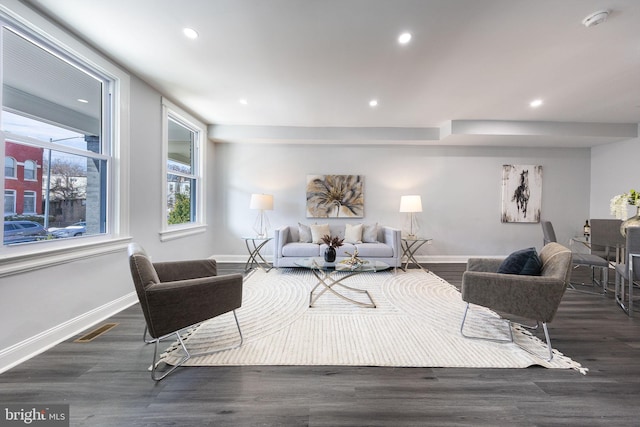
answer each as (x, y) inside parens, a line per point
(521, 193)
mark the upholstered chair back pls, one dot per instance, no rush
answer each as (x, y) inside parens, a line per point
(556, 262)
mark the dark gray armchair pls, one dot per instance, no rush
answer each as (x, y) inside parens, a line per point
(178, 294)
(531, 297)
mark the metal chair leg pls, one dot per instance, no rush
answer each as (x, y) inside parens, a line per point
(464, 318)
(187, 354)
(546, 335)
(510, 340)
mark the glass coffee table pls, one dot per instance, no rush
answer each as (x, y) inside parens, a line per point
(330, 278)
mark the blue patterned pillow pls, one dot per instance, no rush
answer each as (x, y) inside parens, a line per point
(524, 261)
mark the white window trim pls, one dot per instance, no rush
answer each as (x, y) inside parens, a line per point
(15, 200)
(15, 168)
(176, 231)
(19, 258)
(33, 195)
(35, 171)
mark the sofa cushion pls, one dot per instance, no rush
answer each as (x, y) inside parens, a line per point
(319, 230)
(524, 261)
(374, 250)
(303, 250)
(370, 233)
(353, 233)
(304, 231)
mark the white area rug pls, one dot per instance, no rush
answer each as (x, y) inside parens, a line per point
(416, 324)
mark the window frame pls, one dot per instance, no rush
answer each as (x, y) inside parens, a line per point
(31, 195)
(177, 114)
(15, 168)
(20, 258)
(15, 202)
(35, 170)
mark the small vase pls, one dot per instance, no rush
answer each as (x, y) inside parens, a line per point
(634, 221)
(330, 254)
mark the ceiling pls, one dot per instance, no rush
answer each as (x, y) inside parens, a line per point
(308, 68)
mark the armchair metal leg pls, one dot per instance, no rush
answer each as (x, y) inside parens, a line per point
(464, 318)
(510, 340)
(145, 336)
(546, 335)
(187, 355)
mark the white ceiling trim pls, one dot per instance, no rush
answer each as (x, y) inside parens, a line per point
(451, 133)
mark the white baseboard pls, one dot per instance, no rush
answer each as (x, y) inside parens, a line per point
(24, 350)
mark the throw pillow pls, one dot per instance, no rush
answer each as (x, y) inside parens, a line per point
(304, 231)
(319, 230)
(370, 233)
(353, 233)
(524, 261)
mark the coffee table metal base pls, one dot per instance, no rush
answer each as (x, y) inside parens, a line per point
(328, 281)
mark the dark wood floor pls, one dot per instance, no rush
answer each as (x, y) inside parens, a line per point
(106, 382)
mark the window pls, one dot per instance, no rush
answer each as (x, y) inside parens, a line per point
(67, 141)
(64, 122)
(9, 167)
(29, 202)
(183, 137)
(9, 202)
(30, 168)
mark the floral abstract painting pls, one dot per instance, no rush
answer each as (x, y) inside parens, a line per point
(521, 193)
(335, 196)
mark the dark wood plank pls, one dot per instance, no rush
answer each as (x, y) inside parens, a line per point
(106, 382)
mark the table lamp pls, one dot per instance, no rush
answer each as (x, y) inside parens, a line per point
(261, 202)
(411, 205)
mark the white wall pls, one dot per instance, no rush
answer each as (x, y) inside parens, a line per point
(38, 307)
(614, 170)
(460, 189)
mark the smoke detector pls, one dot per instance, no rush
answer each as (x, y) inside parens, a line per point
(595, 18)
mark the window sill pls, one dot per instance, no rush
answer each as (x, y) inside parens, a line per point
(184, 231)
(47, 257)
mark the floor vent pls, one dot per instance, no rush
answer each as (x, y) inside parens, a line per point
(96, 332)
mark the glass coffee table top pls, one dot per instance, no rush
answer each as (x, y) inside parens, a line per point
(320, 264)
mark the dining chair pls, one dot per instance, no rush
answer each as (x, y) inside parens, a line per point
(581, 259)
(606, 239)
(629, 270)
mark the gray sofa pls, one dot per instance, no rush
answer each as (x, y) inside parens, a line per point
(288, 248)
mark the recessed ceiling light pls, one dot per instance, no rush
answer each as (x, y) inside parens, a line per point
(190, 33)
(243, 101)
(373, 103)
(404, 38)
(84, 101)
(536, 103)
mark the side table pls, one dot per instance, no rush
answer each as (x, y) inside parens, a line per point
(256, 260)
(409, 248)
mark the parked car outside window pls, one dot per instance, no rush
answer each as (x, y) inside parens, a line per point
(73, 230)
(23, 231)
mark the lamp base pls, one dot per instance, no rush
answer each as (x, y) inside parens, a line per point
(261, 225)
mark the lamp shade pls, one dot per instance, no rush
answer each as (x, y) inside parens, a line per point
(263, 202)
(410, 204)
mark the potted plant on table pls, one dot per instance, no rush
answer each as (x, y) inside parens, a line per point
(332, 243)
